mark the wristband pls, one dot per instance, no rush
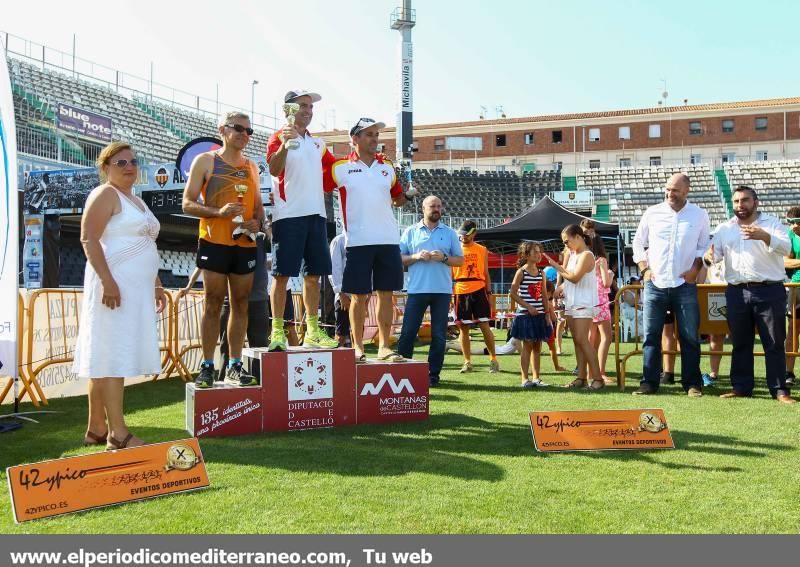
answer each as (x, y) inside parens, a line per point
(646, 269)
(445, 259)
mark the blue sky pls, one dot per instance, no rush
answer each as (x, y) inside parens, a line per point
(531, 57)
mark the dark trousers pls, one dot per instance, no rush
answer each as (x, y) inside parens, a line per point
(416, 304)
(762, 308)
(682, 301)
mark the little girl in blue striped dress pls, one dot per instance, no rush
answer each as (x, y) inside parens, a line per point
(534, 311)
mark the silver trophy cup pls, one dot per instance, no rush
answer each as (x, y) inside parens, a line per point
(290, 109)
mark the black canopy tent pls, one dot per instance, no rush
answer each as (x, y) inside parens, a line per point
(544, 222)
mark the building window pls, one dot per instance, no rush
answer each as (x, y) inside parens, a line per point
(727, 126)
(761, 124)
(500, 140)
(556, 136)
(594, 134)
(438, 145)
(654, 131)
(695, 158)
(761, 155)
(728, 157)
(529, 138)
(624, 132)
(594, 164)
(695, 128)
(655, 160)
(625, 162)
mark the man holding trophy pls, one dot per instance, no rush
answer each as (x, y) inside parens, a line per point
(368, 187)
(223, 191)
(299, 237)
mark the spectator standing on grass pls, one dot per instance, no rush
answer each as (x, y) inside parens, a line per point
(668, 248)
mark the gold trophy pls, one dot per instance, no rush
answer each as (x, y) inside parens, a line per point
(239, 219)
(290, 109)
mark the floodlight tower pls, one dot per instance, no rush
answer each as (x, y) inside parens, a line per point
(403, 20)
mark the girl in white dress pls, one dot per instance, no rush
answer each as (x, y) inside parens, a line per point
(581, 301)
(118, 333)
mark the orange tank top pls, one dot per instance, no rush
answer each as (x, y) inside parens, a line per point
(471, 275)
(224, 187)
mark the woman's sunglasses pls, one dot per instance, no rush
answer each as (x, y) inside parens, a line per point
(120, 163)
(239, 128)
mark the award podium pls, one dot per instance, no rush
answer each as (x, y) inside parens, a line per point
(309, 389)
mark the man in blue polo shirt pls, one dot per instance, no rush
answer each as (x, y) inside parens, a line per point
(429, 249)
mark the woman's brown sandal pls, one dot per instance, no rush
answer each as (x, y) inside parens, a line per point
(114, 444)
(577, 383)
(92, 438)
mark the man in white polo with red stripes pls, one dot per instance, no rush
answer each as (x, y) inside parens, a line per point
(368, 188)
(299, 236)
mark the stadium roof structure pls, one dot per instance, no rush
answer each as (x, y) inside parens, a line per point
(543, 221)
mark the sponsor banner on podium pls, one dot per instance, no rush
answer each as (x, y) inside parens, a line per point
(306, 389)
(598, 430)
(389, 392)
(61, 486)
(223, 410)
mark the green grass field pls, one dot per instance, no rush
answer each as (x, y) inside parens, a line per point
(471, 468)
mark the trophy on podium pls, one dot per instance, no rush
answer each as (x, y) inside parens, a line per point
(239, 219)
(290, 109)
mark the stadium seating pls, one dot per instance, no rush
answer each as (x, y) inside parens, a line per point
(776, 182)
(494, 195)
(157, 131)
(630, 190)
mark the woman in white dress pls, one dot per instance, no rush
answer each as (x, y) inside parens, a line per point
(581, 300)
(118, 333)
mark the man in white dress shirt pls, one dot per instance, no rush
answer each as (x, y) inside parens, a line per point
(668, 248)
(753, 245)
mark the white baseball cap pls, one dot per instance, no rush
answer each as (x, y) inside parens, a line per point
(297, 93)
(363, 124)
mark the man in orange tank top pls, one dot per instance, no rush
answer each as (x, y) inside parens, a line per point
(472, 288)
(223, 191)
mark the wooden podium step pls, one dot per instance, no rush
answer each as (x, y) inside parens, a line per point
(309, 389)
(223, 410)
(305, 388)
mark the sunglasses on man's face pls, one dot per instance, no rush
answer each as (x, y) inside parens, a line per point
(793, 220)
(120, 163)
(239, 128)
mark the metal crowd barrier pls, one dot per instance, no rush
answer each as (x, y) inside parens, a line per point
(708, 326)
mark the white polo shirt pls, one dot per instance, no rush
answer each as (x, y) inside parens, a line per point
(298, 188)
(365, 199)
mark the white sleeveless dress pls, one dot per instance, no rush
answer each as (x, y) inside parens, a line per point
(122, 342)
(580, 299)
